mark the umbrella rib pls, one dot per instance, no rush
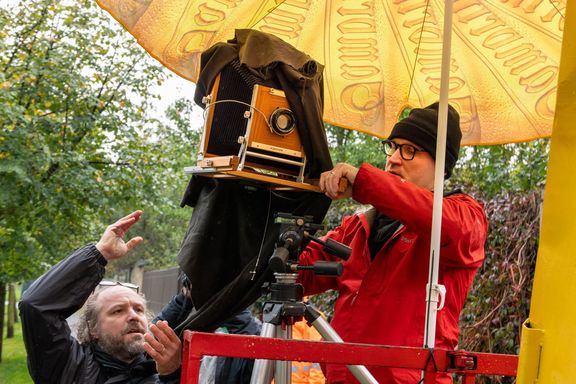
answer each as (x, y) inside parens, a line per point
(417, 51)
(556, 8)
(272, 9)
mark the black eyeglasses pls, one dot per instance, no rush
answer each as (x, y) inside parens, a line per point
(407, 151)
(107, 283)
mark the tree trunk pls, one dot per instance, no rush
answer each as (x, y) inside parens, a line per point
(16, 317)
(2, 300)
(11, 310)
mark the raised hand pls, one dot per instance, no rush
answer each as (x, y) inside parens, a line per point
(111, 245)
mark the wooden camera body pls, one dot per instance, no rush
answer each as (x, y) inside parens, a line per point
(250, 132)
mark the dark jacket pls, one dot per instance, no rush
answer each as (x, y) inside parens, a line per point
(54, 355)
(230, 370)
(176, 311)
(227, 370)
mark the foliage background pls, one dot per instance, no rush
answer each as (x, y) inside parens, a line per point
(81, 143)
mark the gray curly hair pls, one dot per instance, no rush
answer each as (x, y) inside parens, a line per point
(88, 319)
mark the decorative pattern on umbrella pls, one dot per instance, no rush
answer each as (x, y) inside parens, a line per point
(383, 55)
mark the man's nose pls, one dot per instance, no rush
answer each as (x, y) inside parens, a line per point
(133, 314)
(395, 157)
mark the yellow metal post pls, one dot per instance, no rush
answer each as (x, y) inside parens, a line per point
(548, 350)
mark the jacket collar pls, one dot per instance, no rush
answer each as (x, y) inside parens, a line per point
(117, 371)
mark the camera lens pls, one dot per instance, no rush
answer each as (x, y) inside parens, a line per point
(282, 121)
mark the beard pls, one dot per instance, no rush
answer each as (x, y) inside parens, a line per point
(126, 350)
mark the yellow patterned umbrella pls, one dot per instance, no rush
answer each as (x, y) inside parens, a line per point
(383, 55)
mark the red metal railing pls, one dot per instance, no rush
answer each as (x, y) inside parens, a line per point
(467, 364)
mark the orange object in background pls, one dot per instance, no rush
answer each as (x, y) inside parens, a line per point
(306, 372)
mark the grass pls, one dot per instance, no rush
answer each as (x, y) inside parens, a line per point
(13, 368)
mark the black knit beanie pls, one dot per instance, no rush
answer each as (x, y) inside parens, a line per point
(420, 127)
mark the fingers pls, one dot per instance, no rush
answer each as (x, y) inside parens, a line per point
(331, 182)
(161, 338)
(136, 214)
(163, 345)
(111, 245)
(155, 338)
(163, 333)
(127, 221)
(133, 243)
(149, 343)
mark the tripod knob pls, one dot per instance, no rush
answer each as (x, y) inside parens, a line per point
(328, 268)
(324, 268)
(278, 260)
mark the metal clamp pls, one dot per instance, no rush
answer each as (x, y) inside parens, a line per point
(438, 295)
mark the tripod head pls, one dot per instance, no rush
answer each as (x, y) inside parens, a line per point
(293, 230)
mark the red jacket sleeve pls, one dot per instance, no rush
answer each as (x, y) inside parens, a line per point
(464, 224)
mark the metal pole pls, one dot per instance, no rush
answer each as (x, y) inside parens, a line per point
(360, 372)
(433, 290)
(283, 373)
(263, 370)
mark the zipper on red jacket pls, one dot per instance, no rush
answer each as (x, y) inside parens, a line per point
(355, 296)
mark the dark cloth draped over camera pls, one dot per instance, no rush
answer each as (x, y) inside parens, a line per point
(232, 226)
(277, 64)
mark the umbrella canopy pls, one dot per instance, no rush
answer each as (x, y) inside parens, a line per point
(383, 56)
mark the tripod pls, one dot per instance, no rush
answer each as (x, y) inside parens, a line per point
(284, 308)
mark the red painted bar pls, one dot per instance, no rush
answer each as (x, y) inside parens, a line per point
(197, 344)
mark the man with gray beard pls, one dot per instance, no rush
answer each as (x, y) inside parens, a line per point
(115, 342)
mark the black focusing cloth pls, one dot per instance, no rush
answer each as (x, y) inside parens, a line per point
(228, 228)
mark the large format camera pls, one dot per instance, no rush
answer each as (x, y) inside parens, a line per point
(250, 132)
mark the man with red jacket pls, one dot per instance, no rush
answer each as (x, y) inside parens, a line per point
(382, 291)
